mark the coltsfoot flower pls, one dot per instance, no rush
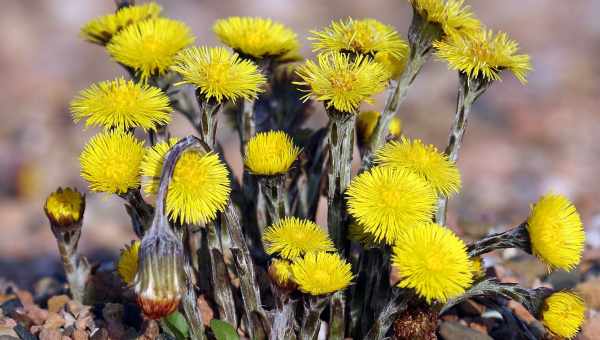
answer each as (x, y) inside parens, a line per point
(556, 232)
(270, 153)
(257, 37)
(321, 273)
(563, 314)
(218, 73)
(424, 160)
(102, 29)
(149, 47)
(365, 36)
(366, 122)
(452, 16)
(110, 162)
(280, 271)
(386, 201)
(292, 237)
(484, 55)
(199, 188)
(127, 266)
(341, 81)
(393, 64)
(433, 261)
(122, 104)
(65, 208)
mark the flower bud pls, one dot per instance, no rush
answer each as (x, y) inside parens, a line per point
(160, 279)
(64, 209)
(280, 273)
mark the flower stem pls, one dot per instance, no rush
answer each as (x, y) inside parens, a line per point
(468, 91)
(517, 237)
(189, 302)
(77, 268)
(222, 291)
(275, 194)
(337, 316)
(208, 119)
(341, 144)
(138, 210)
(312, 317)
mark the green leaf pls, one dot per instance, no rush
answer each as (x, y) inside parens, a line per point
(223, 330)
(178, 325)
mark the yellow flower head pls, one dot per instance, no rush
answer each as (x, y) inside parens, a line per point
(281, 272)
(563, 314)
(425, 161)
(292, 237)
(452, 16)
(556, 232)
(110, 162)
(365, 124)
(127, 266)
(484, 55)
(321, 273)
(342, 81)
(366, 36)
(123, 105)
(64, 207)
(101, 30)
(218, 73)
(199, 188)
(395, 127)
(387, 200)
(433, 261)
(270, 153)
(394, 65)
(150, 46)
(257, 37)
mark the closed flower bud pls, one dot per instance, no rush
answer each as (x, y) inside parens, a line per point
(64, 209)
(160, 279)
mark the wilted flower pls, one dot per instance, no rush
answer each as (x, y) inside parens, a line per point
(218, 73)
(341, 81)
(433, 261)
(321, 273)
(65, 208)
(484, 55)
(199, 188)
(149, 47)
(127, 267)
(270, 153)
(386, 201)
(257, 37)
(123, 105)
(292, 237)
(110, 162)
(425, 161)
(102, 29)
(556, 232)
(563, 314)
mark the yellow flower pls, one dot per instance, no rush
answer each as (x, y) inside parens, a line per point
(292, 237)
(321, 273)
(386, 201)
(342, 81)
(425, 161)
(199, 188)
(218, 73)
(270, 153)
(484, 55)
(110, 162)
(394, 65)
(563, 314)
(365, 124)
(128, 262)
(257, 37)
(556, 232)
(280, 271)
(452, 16)
(64, 207)
(395, 128)
(102, 29)
(366, 36)
(433, 261)
(150, 46)
(123, 105)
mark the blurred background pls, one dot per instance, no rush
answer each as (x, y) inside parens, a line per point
(522, 140)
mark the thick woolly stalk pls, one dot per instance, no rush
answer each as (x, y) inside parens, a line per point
(138, 210)
(312, 318)
(208, 119)
(77, 268)
(275, 195)
(469, 90)
(337, 316)
(513, 238)
(219, 278)
(341, 145)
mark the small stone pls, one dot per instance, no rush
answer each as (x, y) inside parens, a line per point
(520, 311)
(150, 329)
(54, 321)
(56, 303)
(37, 314)
(471, 308)
(80, 335)
(50, 334)
(75, 307)
(478, 327)
(452, 330)
(25, 297)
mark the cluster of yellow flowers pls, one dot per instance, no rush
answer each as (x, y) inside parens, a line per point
(390, 204)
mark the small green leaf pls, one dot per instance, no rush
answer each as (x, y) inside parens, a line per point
(178, 325)
(223, 330)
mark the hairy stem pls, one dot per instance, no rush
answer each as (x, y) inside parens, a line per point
(514, 238)
(138, 210)
(275, 195)
(77, 268)
(222, 291)
(337, 316)
(208, 119)
(312, 318)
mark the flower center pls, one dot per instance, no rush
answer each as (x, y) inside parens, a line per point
(343, 81)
